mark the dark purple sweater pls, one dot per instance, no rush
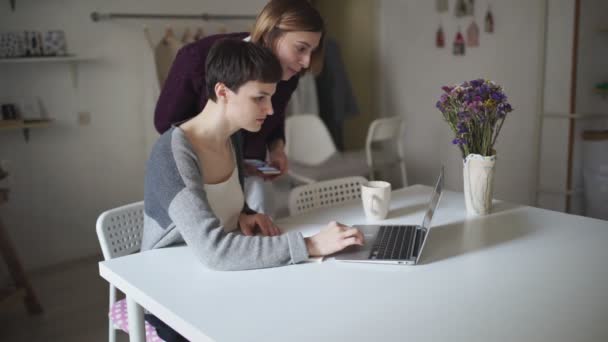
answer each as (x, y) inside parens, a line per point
(184, 96)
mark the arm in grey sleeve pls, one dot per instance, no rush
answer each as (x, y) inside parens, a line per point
(203, 233)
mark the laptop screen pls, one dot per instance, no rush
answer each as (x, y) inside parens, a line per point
(434, 201)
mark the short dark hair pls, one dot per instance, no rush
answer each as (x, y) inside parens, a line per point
(235, 62)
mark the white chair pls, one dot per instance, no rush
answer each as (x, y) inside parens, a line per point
(324, 194)
(313, 155)
(119, 231)
(384, 132)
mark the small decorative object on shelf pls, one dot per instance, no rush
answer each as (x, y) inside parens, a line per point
(33, 44)
(9, 111)
(602, 89)
(12, 44)
(55, 43)
(476, 111)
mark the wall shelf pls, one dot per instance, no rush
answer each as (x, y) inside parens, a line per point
(24, 125)
(45, 59)
(72, 60)
(576, 116)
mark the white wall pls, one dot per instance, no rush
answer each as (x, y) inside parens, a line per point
(414, 71)
(554, 143)
(67, 174)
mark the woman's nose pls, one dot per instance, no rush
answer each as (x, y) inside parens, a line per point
(268, 109)
(305, 61)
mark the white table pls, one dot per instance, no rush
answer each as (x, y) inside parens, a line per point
(519, 274)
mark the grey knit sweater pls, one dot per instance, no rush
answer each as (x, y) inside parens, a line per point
(176, 210)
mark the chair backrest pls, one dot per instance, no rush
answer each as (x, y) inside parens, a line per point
(382, 130)
(119, 230)
(324, 194)
(308, 140)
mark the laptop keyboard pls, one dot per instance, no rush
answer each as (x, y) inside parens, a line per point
(393, 243)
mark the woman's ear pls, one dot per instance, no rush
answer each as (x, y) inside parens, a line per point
(221, 91)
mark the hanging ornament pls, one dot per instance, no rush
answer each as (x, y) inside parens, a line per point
(440, 37)
(441, 5)
(458, 44)
(489, 22)
(461, 8)
(470, 5)
(473, 34)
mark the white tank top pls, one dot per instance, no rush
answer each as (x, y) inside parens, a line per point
(226, 200)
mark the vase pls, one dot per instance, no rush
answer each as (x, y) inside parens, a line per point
(478, 176)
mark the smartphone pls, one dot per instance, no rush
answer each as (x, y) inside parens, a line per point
(263, 167)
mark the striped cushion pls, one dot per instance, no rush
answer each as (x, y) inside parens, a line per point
(118, 316)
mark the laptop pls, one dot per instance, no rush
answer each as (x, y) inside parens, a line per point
(394, 244)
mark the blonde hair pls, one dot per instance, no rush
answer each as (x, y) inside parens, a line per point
(280, 16)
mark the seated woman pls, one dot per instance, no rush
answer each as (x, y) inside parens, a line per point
(194, 178)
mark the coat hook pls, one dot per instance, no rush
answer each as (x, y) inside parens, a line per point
(13, 4)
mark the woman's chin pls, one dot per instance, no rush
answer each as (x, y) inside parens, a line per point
(287, 75)
(255, 127)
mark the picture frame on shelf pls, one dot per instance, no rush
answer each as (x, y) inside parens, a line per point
(55, 43)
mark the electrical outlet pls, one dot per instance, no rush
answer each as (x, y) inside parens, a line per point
(84, 118)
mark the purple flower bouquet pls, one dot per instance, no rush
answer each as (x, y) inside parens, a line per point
(475, 110)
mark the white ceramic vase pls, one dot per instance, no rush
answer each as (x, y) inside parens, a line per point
(478, 175)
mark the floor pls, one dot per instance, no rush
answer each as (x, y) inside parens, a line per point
(75, 302)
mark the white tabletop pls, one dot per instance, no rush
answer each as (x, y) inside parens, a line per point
(521, 273)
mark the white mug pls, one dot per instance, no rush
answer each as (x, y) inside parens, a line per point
(376, 197)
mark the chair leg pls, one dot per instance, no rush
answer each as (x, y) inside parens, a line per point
(403, 174)
(111, 330)
(137, 331)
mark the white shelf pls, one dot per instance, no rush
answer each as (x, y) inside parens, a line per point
(49, 59)
(24, 125)
(72, 60)
(579, 116)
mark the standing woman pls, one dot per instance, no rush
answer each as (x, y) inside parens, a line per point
(294, 31)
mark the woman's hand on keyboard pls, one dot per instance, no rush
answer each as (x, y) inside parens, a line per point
(333, 238)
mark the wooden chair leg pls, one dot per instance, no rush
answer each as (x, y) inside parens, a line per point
(16, 270)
